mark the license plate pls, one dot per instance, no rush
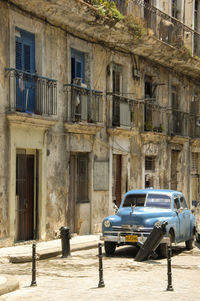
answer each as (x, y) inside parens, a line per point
(131, 238)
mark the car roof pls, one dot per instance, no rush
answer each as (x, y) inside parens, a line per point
(156, 191)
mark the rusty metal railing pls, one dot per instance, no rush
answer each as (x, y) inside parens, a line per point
(31, 93)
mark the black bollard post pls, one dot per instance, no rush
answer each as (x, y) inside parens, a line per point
(169, 270)
(33, 283)
(65, 236)
(101, 282)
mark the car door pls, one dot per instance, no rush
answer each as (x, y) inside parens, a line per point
(186, 216)
(180, 222)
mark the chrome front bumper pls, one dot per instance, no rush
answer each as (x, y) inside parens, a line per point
(121, 239)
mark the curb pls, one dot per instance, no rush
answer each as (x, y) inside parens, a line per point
(50, 253)
(8, 284)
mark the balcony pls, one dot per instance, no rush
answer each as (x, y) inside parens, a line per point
(154, 117)
(84, 108)
(31, 93)
(168, 29)
(179, 123)
(123, 113)
(194, 126)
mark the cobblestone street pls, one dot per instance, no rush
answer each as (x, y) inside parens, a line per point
(77, 277)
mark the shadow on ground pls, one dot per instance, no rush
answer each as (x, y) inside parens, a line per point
(131, 251)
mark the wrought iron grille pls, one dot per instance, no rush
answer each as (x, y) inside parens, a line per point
(124, 110)
(32, 93)
(84, 104)
(169, 29)
(154, 116)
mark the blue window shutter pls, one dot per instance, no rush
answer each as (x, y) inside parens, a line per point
(25, 61)
(25, 54)
(18, 54)
(27, 58)
(78, 61)
(78, 69)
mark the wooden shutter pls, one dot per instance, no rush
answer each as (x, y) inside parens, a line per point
(78, 64)
(18, 54)
(125, 115)
(84, 109)
(25, 61)
(25, 51)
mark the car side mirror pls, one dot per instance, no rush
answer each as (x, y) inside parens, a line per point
(115, 207)
(181, 209)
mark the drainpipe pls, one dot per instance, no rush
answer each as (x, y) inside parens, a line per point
(110, 205)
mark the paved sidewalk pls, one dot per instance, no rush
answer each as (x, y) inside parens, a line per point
(44, 249)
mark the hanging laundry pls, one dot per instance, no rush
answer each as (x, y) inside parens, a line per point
(21, 82)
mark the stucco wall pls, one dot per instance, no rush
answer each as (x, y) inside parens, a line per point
(4, 133)
(55, 141)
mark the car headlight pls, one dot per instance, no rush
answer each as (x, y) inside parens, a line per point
(107, 223)
(157, 224)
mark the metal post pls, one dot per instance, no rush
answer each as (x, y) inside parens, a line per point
(101, 282)
(169, 270)
(33, 283)
(65, 241)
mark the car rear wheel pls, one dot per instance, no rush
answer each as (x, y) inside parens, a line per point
(189, 244)
(109, 247)
(197, 235)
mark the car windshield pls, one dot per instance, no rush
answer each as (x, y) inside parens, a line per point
(137, 200)
(158, 201)
(152, 200)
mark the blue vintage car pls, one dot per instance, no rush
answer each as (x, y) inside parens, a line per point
(139, 212)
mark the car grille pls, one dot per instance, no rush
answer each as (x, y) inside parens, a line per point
(128, 229)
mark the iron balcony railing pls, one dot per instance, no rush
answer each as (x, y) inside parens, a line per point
(194, 126)
(179, 122)
(123, 111)
(169, 29)
(31, 93)
(84, 104)
(154, 116)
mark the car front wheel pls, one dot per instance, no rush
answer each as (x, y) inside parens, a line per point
(109, 247)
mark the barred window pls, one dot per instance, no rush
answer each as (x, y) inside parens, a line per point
(150, 163)
(195, 162)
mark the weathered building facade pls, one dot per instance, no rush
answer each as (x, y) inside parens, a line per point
(94, 103)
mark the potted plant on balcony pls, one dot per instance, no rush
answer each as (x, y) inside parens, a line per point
(148, 126)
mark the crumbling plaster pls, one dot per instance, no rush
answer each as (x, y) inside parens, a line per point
(57, 143)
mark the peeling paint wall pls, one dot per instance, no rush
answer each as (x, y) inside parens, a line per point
(4, 133)
(59, 139)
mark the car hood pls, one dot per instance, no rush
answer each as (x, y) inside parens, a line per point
(145, 216)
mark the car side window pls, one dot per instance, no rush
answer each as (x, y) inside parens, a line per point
(183, 202)
(176, 203)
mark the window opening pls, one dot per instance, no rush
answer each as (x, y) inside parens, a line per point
(183, 203)
(174, 9)
(176, 203)
(77, 66)
(25, 64)
(150, 163)
(195, 162)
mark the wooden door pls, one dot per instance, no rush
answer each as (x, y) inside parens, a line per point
(78, 186)
(117, 169)
(25, 196)
(174, 169)
(72, 194)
